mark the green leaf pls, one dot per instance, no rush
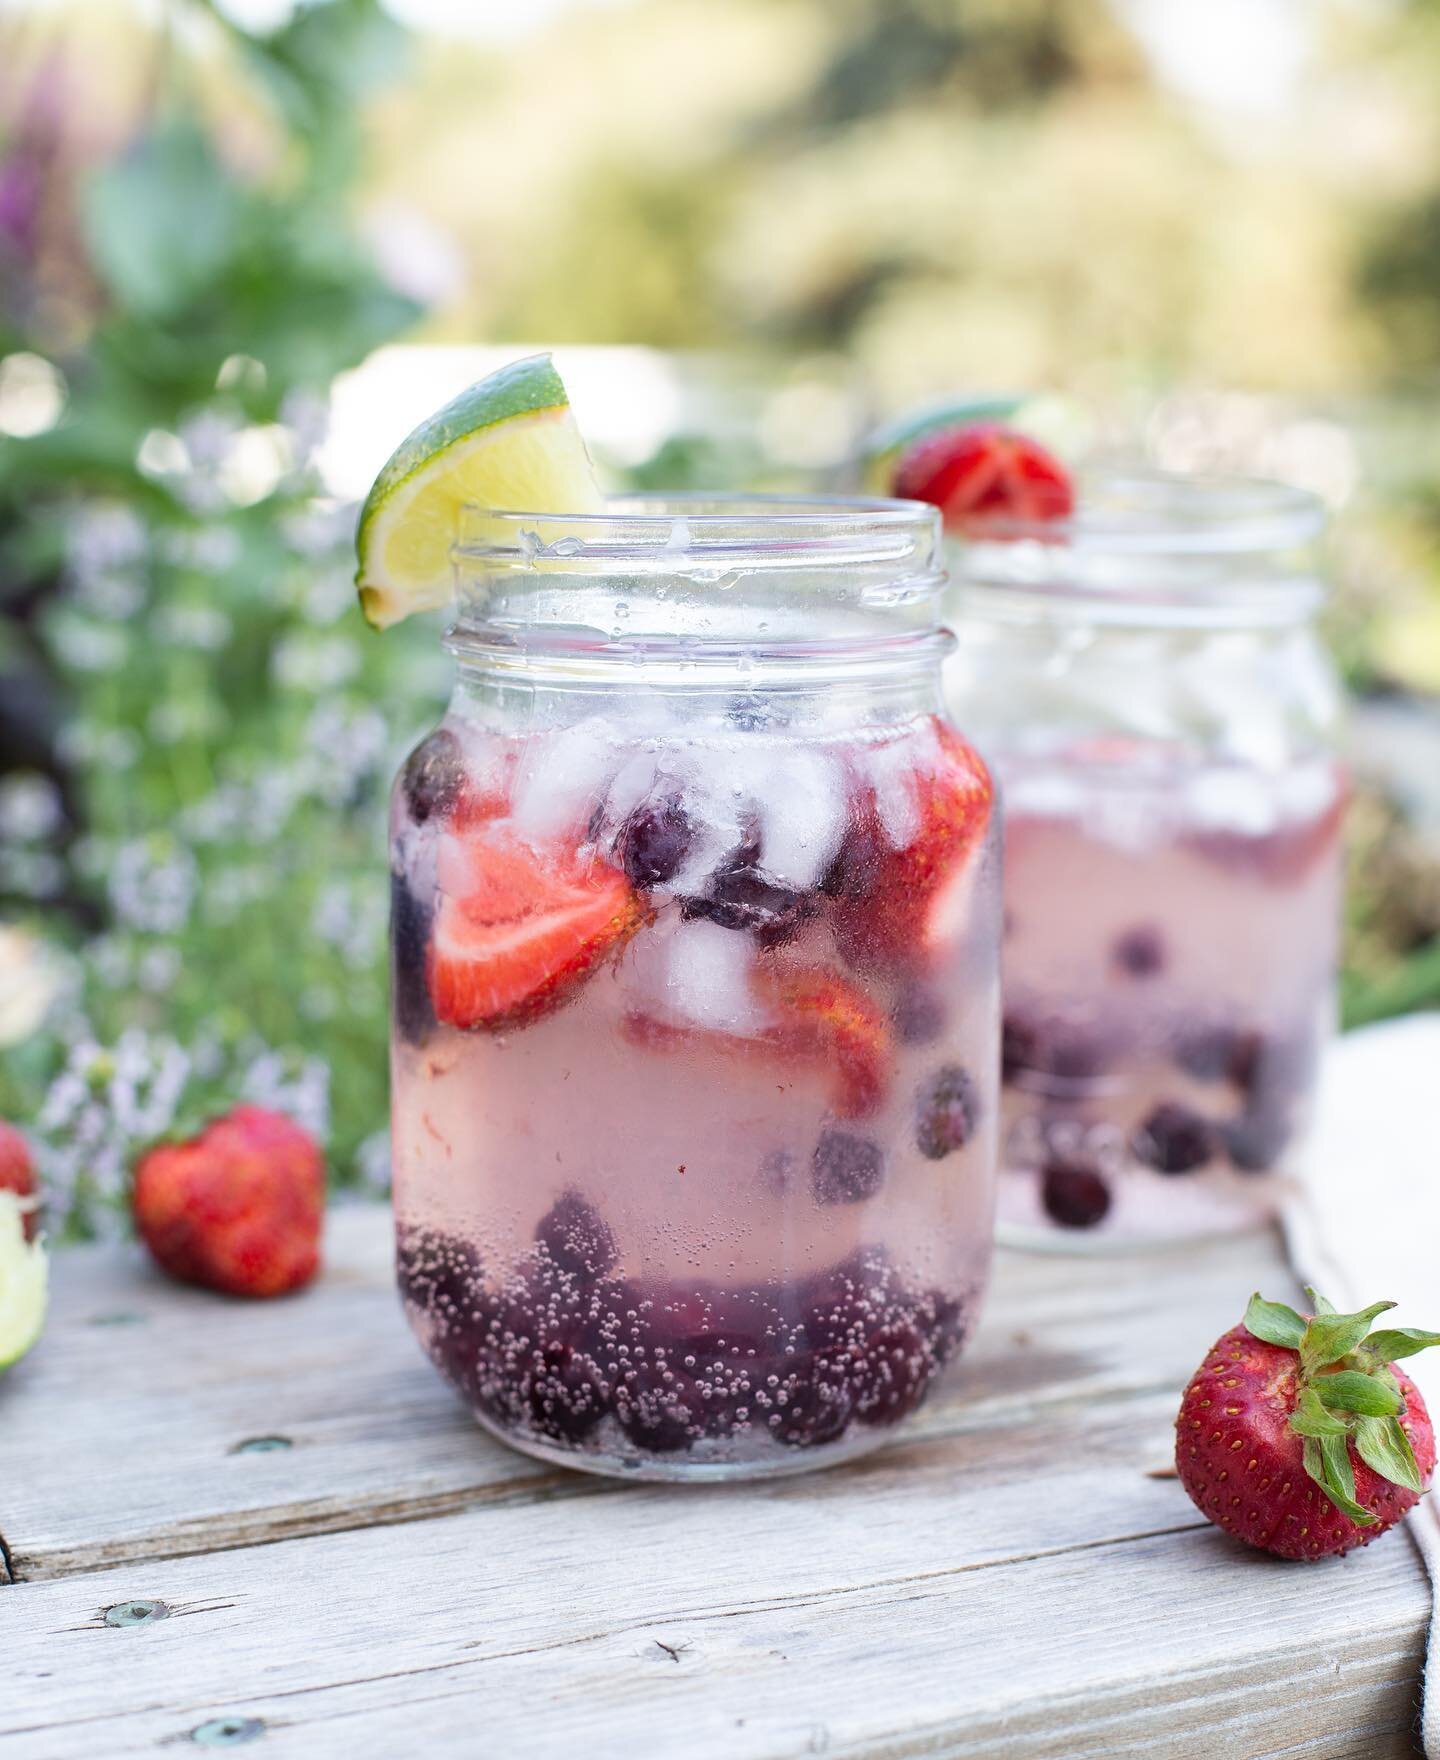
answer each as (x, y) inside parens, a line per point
(1394, 1342)
(1383, 1445)
(1327, 1461)
(1350, 1391)
(1318, 1302)
(1274, 1322)
(1310, 1417)
(161, 223)
(1329, 1337)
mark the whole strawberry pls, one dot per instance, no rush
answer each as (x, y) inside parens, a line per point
(1297, 1436)
(237, 1208)
(17, 1174)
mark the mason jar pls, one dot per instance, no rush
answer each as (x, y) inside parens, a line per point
(1148, 684)
(696, 1001)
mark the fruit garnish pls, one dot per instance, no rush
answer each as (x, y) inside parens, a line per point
(1174, 1138)
(509, 442)
(846, 1168)
(24, 1269)
(820, 1015)
(1074, 1192)
(946, 1110)
(237, 1208)
(812, 1014)
(883, 448)
(17, 1175)
(1298, 1435)
(517, 931)
(985, 474)
(892, 907)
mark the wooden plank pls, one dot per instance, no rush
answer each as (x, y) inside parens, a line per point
(796, 1618)
(123, 1436)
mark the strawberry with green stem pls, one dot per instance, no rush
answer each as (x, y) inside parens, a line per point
(1299, 1436)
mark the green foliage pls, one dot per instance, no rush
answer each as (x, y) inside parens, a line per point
(210, 854)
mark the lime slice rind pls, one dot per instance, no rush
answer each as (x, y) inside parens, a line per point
(508, 442)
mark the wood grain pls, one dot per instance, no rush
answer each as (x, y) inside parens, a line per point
(733, 1623)
(119, 1436)
(1010, 1580)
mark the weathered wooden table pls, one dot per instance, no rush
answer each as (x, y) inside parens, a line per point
(271, 1524)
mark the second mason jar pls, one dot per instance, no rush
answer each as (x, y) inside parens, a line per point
(1148, 684)
(696, 1004)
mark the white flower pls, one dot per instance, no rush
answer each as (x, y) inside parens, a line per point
(30, 981)
(192, 626)
(152, 884)
(103, 537)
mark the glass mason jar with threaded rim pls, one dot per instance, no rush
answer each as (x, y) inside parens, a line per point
(1148, 684)
(695, 988)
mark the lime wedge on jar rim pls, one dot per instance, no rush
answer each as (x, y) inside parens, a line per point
(509, 442)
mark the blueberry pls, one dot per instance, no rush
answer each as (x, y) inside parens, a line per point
(433, 776)
(1213, 1053)
(946, 1109)
(1074, 1192)
(577, 1238)
(893, 1373)
(659, 1408)
(1256, 1139)
(1019, 1042)
(813, 1404)
(653, 842)
(741, 897)
(1174, 1139)
(839, 1307)
(1140, 952)
(440, 1274)
(845, 1168)
(565, 1396)
(919, 1015)
(409, 941)
(1053, 1055)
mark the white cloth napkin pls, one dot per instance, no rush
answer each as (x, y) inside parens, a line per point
(1368, 1228)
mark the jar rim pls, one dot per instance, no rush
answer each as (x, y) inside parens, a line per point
(1164, 513)
(779, 530)
(1147, 546)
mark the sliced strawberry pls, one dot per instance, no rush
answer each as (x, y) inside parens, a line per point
(814, 1015)
(823, 1016)
(517, 932)
(893, 907)
(983, 474)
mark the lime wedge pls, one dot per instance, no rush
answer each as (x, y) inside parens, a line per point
(23, 1277)
(509, 442)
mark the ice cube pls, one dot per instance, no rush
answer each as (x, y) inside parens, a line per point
(697, 975)
(1235, 799)
(800, 808)
(560, 778)
(890, 767)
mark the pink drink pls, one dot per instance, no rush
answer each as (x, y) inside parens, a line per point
(694, 1107)
(1169, 956)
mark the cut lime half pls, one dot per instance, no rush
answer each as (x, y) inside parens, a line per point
(23, 1280)
(509, 442)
